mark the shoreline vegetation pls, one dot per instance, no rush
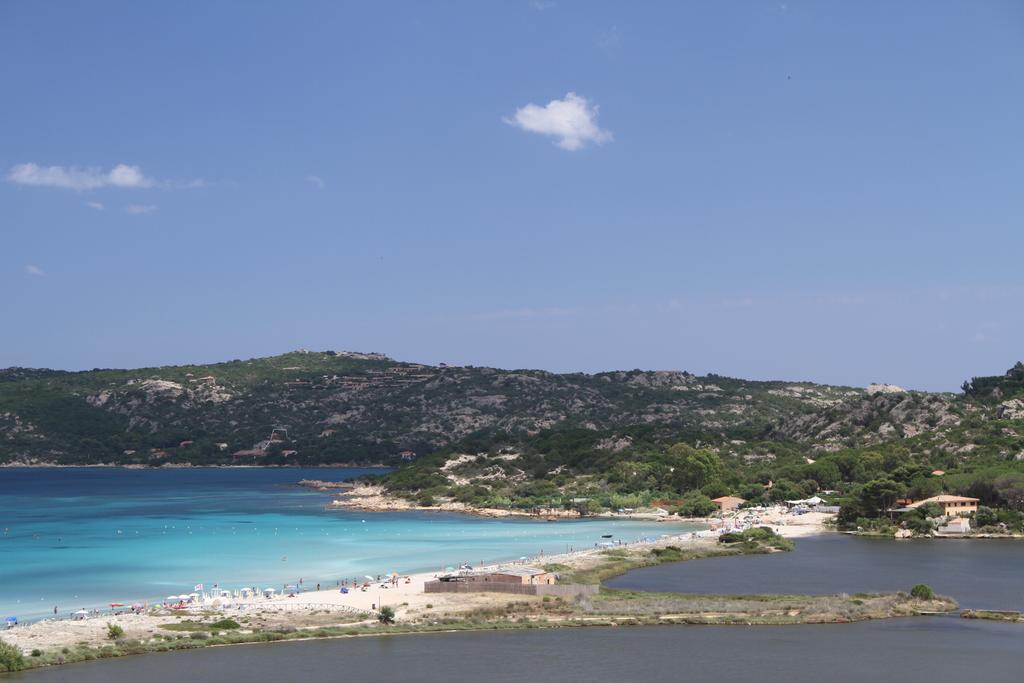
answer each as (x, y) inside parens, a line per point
(311, 615)
(375, 498)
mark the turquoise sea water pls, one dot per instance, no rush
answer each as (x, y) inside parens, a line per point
(84, 537)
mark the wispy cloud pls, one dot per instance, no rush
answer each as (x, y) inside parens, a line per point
(93, 178)
(95, 205)
(139, 208)
(73, 178)
(35, 270)
(541, 5)
(573, 121)
(316, 181)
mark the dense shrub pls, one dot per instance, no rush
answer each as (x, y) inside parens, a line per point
(11, 658)
(225, 624)
(922, 592)
(985, 516)
(114, 632)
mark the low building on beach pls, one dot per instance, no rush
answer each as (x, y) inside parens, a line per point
(519, 580)
(520, 575)
(524, 575)
(728, 503)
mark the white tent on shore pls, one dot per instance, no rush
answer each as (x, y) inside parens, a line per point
(813, 500)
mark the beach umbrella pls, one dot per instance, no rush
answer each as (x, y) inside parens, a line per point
(172, 598)
(369, 578)
(12, 620)
(117, 604)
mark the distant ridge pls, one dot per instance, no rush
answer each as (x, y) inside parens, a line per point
(345, 407)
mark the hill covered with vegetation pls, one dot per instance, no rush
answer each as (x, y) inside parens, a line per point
(341, 407)
(496, 437)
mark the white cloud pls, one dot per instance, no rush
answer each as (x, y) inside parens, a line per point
(316, 181)
(139, 208)
(95, 205)
(572, 120)
(73, 178)
(35, 270)
(541, 5)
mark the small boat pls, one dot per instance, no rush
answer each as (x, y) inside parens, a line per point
(606, 536)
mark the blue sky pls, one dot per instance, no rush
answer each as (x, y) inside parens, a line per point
(798, 190)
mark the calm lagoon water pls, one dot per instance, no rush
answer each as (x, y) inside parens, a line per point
(84, 537)
(984, 573)
(926, 649)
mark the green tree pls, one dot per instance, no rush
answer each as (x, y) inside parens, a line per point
(114, 631)
(916, 521)
(715, 489)
(985, 516)
(825, 472)
(922, 591)
(695, 504)
(878, 495)
(693, 468)
(386, 615)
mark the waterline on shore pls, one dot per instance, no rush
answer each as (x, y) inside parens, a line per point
(77, 538)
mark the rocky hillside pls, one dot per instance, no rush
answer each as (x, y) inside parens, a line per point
(350, 407)
(343, 407)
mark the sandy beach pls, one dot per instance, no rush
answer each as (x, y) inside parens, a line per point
(331, 607)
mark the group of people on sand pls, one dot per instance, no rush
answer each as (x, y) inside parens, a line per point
(364, 584)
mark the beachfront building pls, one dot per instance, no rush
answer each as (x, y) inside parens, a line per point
(520, 575)
(525, 575)
(515, 580)
(952, 506)
(728, 503)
